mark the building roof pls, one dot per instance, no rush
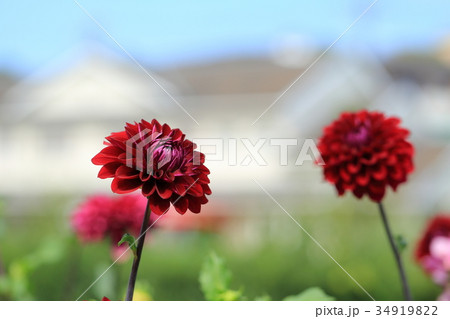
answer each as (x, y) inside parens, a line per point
(95, 88)
(233, 76)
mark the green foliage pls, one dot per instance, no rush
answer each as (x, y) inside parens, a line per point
(263, 298)
(401, 243)
(15, 283)
(215, 280)
(310, 294)
(131, 242)
(278, 251)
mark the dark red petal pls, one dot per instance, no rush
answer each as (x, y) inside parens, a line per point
(353, 168)
(179, 188)
(108, 170)
(107, 155)
(195, 190)
(331, 174)
(194, 205)
(206, 189)
(163, 190)
(148, 188)
(363, 179)
(344, 174)
(181, 205)
(125, 172)
(340, 188)
(118, 139)
(380, 173)
(376, 192)
(123, 186)
(358, 192)
(158, 205)
(144, 176)
(156, 126)
(166, 130)
(176, 134)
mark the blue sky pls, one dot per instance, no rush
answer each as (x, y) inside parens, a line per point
(167, 33)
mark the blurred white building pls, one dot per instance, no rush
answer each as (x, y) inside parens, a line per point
(51, 125)
(54, 122)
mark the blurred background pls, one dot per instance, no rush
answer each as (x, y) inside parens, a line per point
(73, 72)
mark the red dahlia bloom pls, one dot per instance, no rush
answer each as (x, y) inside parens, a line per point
(365, 152)
(159, 161)
(433, 249)
(104, 216)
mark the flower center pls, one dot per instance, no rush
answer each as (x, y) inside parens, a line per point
(359, 136)
(168, 156)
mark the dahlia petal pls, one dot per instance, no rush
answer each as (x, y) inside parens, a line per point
(125, 172)
(144, 176)
(108, 170)
(377, 196)
(166, 130)
(158, 205)
(204, 169)
(396, 174)
(194, 205)
(380, 173)
(331, 174)
(344, 174)
(353, 168)
(146, 124)
(358, 192)
(362, 179)
(176, 134)
(203, 200)
(369, 159)
(118, 140)
(394, 184)
(204, 179)
(163, 190)
(181, 205)
(178, 188)
(376, 191)
(123, 186)
(188, 180)
(206, 189)
(148, 188)
(195, 190)
(107, 155)
(340, 188)
(131, 129)
(156, 126)
(391, 160)
(348, 186)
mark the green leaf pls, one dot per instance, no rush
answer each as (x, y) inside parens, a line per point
(265, 297)
(127, 238)
(215, 280)
(310, 294)
(401, 243)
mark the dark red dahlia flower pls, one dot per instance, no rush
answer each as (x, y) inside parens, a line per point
(365, 152)
(104, 216)
(159, 161)
(433, 249)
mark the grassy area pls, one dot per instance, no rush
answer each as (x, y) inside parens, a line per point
(43, 260)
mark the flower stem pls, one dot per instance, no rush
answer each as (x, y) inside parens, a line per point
(398, 259)
(137, 258)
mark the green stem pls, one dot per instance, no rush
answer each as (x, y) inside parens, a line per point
(398, 259)
(137, 258)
